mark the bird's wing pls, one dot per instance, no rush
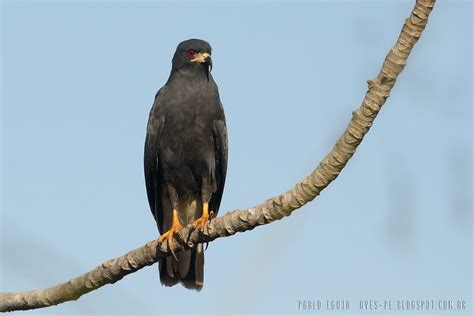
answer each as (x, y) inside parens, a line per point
(154, 127)
(220, 145)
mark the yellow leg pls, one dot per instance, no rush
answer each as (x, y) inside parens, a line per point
(175, 227)
(201, 222)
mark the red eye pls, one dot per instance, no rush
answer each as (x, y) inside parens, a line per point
(191, 52)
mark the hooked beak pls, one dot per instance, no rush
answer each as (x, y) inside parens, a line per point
(200, 57)
(204, 58)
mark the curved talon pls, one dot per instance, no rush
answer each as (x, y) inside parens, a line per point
(169, 235)
(200, 223)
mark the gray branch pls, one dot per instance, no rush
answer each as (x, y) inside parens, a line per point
(271, 210)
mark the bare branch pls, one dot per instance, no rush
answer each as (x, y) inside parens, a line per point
(272, 209)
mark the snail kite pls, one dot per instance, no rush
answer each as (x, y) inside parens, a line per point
(186, 157)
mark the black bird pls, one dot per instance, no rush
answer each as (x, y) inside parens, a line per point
(186, 157)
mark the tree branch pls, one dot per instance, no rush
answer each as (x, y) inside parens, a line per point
(272, 209)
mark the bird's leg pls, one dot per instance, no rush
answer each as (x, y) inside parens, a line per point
(201, 222)
(169, 235)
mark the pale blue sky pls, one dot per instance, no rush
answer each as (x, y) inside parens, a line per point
(78, 80)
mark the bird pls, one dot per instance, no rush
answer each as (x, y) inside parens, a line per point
(185, 158)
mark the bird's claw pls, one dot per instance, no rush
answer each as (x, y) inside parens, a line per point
(169, 236)
(200, 223)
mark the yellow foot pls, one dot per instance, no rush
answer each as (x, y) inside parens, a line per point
(169, 235)
(201, 222)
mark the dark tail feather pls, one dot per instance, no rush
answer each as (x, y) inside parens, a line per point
(167, 275)
(189, 270)
(194, 279)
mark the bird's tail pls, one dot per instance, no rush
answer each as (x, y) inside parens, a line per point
(188, 269)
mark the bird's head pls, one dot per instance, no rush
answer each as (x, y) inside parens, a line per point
(193, 54)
